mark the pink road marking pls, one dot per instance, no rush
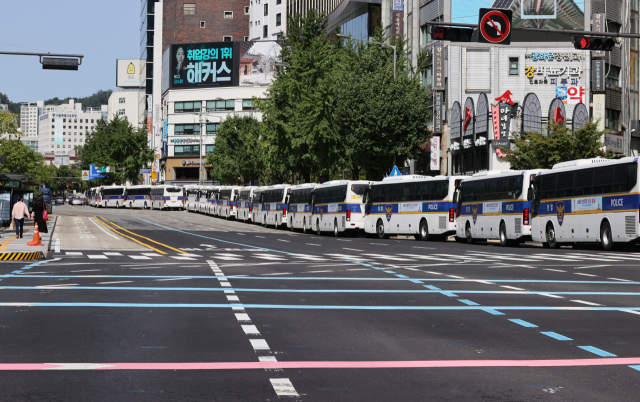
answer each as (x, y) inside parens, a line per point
(320, 364)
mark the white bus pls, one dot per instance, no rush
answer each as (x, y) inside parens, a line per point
(166, 197)
(203, 202)
(274, 205)
(338, 206)
(228, 200)
(96, 197)
(92, 196)
(256, 205)
(113, 196)
(300, 207)
(494, 205)
(138, 197)
(211, 200)
(421, 206)
(587, 201)
(192, 202)
(245, 207)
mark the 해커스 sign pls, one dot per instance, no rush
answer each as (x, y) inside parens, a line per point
(197, 65)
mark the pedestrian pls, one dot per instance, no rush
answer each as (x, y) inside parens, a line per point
(20, 210)
(39, 215)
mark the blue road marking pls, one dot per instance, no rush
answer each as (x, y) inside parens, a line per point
(16, 272)
(523, 323)
(402, 276)
(491, 311)
(468, 302)
(597, 351)
(449, 294)
(431, 287)
(415, 281)
(556, 336)
(635, 367)
(390, 272)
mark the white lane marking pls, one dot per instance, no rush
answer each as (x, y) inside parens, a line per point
(242, 317)
(241, 234)
(109, 283)
(139, 257)
(313, 272)
(283, 387)
(229, 291)
(66, 285)
(270, 359)
(259, 344)
(172, 279)
(97, 257)
(586, 302)
(512, 288)
(426, 248)
(267, 257)
(431, 272)
(592, 266)
(548, 295)
(233, 298)
(330, 265)
(352, 249)
(388, 257)
(487, 283)
(379, 244)
(191, 255)
(250, 330)
(631, 311)
(182, 258)
(584, 274)
(453, 276)
(100, 227)
(149, 268)
(151, 254)
(309, 257)
(85, 270)
(112, 253)
(73, 253)
(342, 240)
(310, 244)
(225, 284)
(280, 273)
(286, 241)
(262, 237)
(358, 269)
(555, 270)
(621, 280)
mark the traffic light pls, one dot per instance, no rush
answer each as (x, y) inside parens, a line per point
(593, 43)
(451, 34)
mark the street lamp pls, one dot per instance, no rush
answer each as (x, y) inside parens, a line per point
(376, 43)
(54, 61)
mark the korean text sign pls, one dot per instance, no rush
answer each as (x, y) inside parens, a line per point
(198, 65)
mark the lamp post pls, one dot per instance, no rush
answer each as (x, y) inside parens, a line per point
(376, 43)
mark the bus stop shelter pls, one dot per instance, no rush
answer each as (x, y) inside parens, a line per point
(13, 185)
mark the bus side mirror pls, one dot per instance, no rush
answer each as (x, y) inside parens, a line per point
(530, 194)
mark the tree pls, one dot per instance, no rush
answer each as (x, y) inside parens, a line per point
(381, 119)
(539, 151)
(119, 145)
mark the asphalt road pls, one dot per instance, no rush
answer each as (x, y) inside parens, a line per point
(204, 309)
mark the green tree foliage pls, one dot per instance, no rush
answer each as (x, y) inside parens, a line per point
(380, 119)
(541, 151)
(238, 156)
(13, 106)
(96, 100)
(119, 145)
(298, 111)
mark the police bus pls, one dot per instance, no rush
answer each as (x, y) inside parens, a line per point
(192, 198)
(203, 202)
(416, 205)
(338, 206)
(245, 207)
(256, 205)
(228, 201)
(112, 197)
(494, 205)
(588, 200)
(138, 197)
(166, 197)
(211, 200)
(274, 205)
(300, 207)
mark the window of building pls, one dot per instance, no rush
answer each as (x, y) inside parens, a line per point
(202, 24)
(247, 104)
(513, 66)
(221, 105)
(250, 23)
(213, 128)
(121, 112)
(186, 150)
(92, 120)
(278, 19)
(210, 148)
(613, 76)
(278, 1)
(227, 38)
(228, 14)
(246, 39)
(65, 120)
(187, 107)
(266, 9)
(265, 31)
(279, 37)
(246, 10)
(186, 129)
(613, 119)
(189, 8)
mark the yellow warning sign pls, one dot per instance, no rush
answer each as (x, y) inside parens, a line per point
(85, 175)
(154, 175)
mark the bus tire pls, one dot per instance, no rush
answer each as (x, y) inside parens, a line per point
(502, 233)
(336, 232)
(380, 229)
(304, 225)
(145, 205)
(460, 239)
(606, 240)
(318, 231)
(550, 235)
(264, 221)
(468, 235)
(423, 232)
(291, 224)
(117, 205)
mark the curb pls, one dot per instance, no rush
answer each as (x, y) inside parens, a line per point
(38, 255)
(51, 237)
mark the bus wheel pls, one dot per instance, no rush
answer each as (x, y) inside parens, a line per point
(117, 205)
(423, 233)
(304, 225)
(264, 221)
(380, 229)
(318, 231)
(551, 236)
(605, 236)
(468, 235)
(504, 241)
(291, 224)
(336, 233)
(145, 205)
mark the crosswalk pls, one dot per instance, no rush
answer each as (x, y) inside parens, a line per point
(140, 256)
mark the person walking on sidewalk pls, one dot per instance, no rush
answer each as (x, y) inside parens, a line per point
(38, 212)
(20, 210)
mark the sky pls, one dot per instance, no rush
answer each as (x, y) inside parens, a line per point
(101, 30)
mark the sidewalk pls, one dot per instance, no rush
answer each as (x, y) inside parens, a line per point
(17, 249)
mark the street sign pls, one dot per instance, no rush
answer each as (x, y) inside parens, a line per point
(145, 171)
(85, 175)
(94, 171)
(154, 176)
(395, 172)
(494, 26)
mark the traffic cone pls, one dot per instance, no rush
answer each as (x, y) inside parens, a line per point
(36, 238)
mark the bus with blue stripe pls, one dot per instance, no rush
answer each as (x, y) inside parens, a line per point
(228, 201)
(192, 194)
(167, 197)
(416, 205)
(256, 205)
(245, 206)
(587, 201)
(338, 206)
(203, 201)
(113, 196)
(138, 197)
(300, 212)
(211, 200)
(274, 205)
(495, 205)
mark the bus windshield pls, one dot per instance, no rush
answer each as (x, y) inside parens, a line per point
(173, 189)
(359, 189)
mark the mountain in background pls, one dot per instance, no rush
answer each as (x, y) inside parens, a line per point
(96, 100)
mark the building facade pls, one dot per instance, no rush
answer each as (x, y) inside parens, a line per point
(65, 126)
(267, 19)
(126, 104)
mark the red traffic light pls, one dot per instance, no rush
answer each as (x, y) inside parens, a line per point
(584, 43)
(594, 43)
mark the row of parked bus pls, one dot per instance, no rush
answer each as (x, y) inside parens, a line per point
(592, 200)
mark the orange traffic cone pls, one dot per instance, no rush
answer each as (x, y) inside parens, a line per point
(36, 238)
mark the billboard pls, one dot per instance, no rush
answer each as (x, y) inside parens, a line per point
(567, 14)
(220, 64)
(130, 73)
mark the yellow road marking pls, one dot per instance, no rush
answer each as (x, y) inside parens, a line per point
(130, 238)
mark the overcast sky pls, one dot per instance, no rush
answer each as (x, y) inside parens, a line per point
(101, 30)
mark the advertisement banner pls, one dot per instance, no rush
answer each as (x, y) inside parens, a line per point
(598, 72)
(197, 65)
(492, 207)
(258, 62)
(410, 207)
(505, 120)
(586, 204)
(576, 95)
(397, 30)
(438, 68)
(165, 130)
(435, 153)
(598, 22)
(437, 112)
(58, 139)
(129, 73)
(599, 110)
(495, 118)
(149, 104)
(397, 5)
